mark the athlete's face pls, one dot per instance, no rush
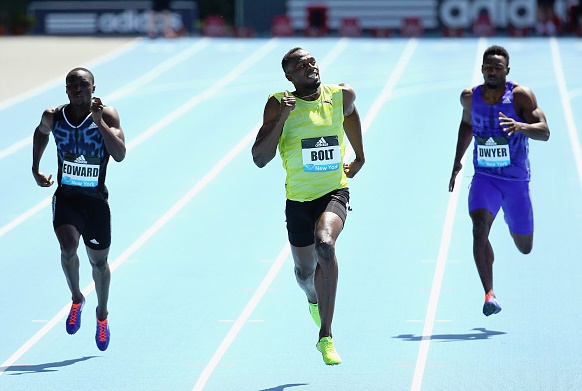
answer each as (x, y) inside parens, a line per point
(494, 71)
(303, 71)
(80, 88)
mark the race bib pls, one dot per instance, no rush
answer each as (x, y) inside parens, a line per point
(493, 152)
(79, 170)
(321, 154)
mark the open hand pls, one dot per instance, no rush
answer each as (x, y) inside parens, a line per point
(509, 125)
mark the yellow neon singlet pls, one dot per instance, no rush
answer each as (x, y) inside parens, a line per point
(312, 145)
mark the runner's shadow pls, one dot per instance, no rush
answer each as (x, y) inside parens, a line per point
(39, 368)
(482, 333)
(284, 386)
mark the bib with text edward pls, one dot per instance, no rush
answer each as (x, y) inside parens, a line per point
(493, 152)
(80, 170)
(321, 154)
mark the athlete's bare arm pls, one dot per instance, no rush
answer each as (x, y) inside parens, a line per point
(526, 106)
(274, 117)
(465, 135)
(353, 130)
(39, 142)
(107, 119)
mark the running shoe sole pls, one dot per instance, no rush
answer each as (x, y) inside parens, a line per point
(491, 308)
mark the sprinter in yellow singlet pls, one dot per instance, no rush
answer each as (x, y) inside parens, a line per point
(308, 127)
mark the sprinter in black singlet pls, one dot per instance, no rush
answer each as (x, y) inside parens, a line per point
(87, 133)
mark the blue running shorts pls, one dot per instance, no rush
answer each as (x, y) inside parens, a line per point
(491, 193)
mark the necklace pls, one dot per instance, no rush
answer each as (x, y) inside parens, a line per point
(308, 96)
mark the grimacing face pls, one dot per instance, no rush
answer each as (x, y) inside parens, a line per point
(79, 87)
(494, 71)
(303, 70)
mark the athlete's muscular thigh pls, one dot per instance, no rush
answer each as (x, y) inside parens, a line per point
(328, 228)
(68, 238)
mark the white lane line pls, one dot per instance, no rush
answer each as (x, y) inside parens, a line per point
(25, 216)
(158, 70)
(566, 106)
(387, 91)
(17, 146)
(128, 88)
(168, 119)
(201, 184)
(242, 145)
(243, 317)
(443, 253)
(51, 84)
(285, 251)
(206, 94)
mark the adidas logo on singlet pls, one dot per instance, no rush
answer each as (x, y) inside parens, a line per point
(81, 160)
(490, 142)
(94, 125)
(321, 143)
(506, 100)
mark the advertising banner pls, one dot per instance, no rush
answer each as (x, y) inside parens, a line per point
(455, 14)
(106, 17)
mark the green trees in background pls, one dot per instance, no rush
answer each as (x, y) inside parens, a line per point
(14, 18)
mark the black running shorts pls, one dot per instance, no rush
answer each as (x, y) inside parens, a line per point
(91, 217)
(303, 215)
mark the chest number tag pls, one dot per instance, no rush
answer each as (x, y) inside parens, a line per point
(321, 154)
(493, 152)
(80, 170)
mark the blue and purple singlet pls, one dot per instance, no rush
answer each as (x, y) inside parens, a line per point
(82, 156)
(497, 154)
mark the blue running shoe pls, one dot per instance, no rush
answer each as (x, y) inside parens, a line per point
(491, 305)
(74, 319)
(102, 335)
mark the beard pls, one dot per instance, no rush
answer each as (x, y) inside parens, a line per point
(492, 86)
(313, 86)
(494, 83)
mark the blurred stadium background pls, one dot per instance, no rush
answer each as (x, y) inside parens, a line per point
(248, 18)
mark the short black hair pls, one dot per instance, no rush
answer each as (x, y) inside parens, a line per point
(287, 58)
(81, 69)
(496, 50)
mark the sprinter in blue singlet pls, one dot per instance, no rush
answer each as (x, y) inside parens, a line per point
(86, 134)
(499, 116)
